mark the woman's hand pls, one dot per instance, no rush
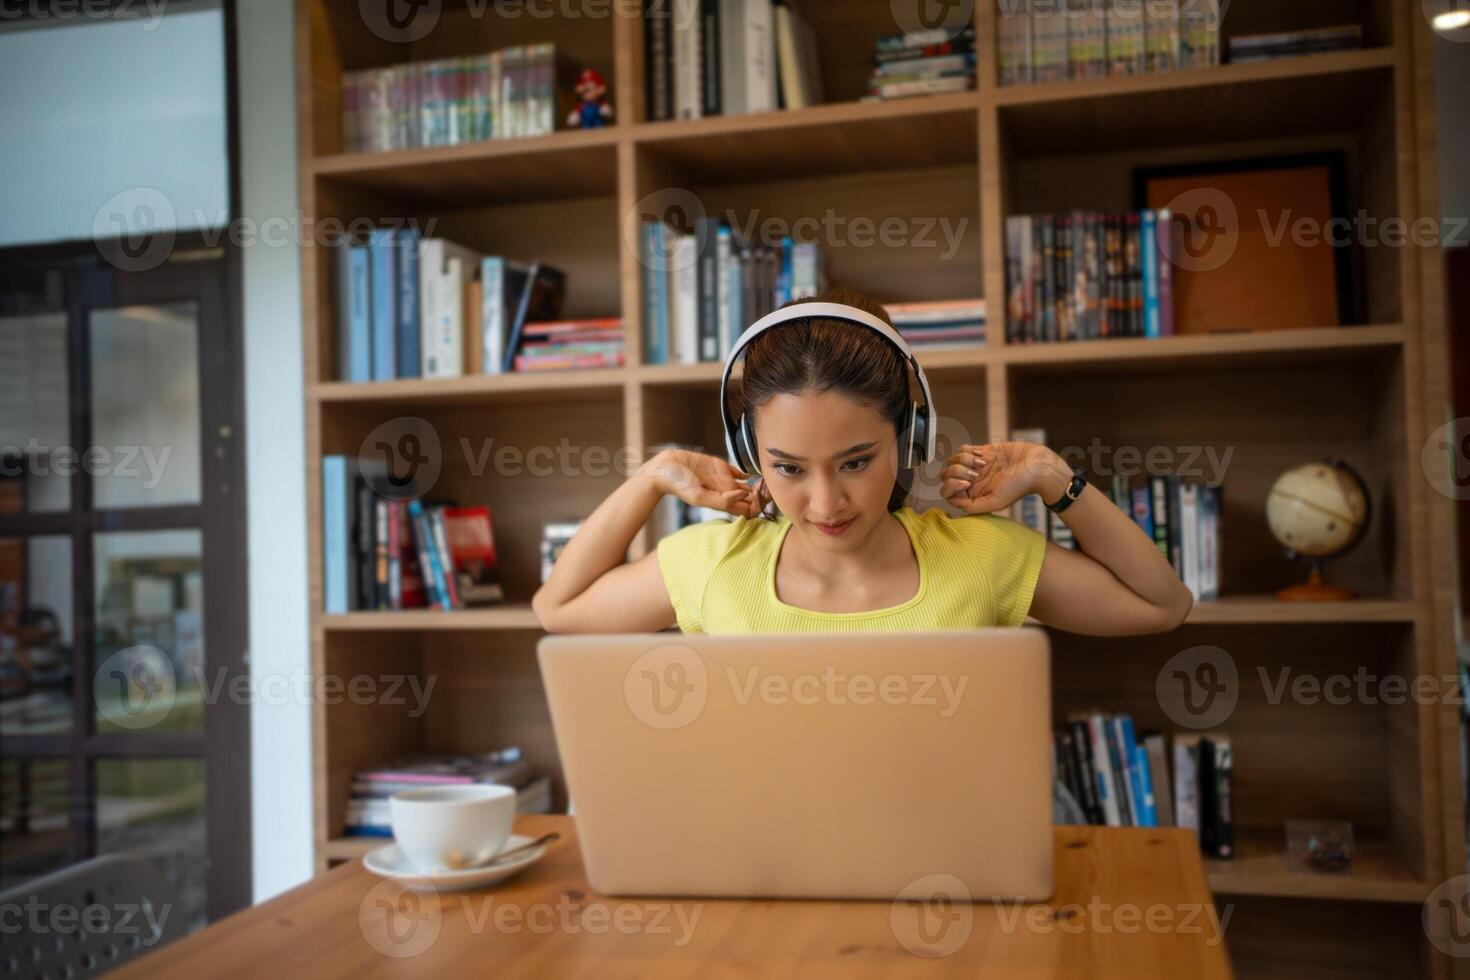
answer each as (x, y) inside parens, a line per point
(985, 479)
(702, 480)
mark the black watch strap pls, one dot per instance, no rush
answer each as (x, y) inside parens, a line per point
(1074, 490)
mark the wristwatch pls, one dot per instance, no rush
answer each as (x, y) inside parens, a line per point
(1074, 490)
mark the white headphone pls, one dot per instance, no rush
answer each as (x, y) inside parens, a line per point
(916, 445)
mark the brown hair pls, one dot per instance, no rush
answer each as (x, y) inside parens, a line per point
(820, 354)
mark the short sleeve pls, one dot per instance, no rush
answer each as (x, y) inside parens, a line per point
(686, 559)
(1010, 556)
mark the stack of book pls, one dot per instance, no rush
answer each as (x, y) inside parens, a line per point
(1058, 40)
(922, 63)
(369, 812)
(410, 307)
(933, 324)
(734, 57)
(1183, 518)
(519, 91)
(1263, 47)
(564, 344)
(1086, 275)
(554, 538)
(1120, 780)
(701, 288)
(382, 553)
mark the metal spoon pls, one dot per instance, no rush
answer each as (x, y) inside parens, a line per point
(505, 857)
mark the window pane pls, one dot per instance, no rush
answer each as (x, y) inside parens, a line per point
(35, 635)
(150, 631)
(145, 406)
(35, 818)
(34, 443)
(154, 809)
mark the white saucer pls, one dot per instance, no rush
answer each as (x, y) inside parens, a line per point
(390, 862)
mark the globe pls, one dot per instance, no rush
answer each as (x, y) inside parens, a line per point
(1318, 511)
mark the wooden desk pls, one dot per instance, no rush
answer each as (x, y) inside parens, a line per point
(1129, 903)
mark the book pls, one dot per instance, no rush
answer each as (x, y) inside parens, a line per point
(541, 299)
(554, 537)
(382, 251)
(1215, 776)
(470, 544)
(407, 322)
(336, 547)
(1158, 768)
(354, 312)
(1186, 781)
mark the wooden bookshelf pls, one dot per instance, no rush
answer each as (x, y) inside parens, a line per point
(1367, 392)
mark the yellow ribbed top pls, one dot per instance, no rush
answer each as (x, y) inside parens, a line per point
(974, 571)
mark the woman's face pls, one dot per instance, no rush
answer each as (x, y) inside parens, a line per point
(829, 462)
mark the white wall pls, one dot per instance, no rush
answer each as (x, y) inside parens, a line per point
(275, 451)
(76, 132)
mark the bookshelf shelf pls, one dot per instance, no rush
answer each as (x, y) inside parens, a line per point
(1256, 610)
(559, 165)
(825, 139)
(1300, 66)
(1326, 94)
(1262, 867)
(1269, 399)
(475, 390)
(352, 848)
(1260, 347)
(511, 616)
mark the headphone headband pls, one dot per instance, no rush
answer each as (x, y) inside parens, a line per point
(831, 311)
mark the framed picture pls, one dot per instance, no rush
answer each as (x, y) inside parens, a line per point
(1259, 244)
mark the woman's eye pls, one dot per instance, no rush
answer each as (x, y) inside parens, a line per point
(787, 469)
(855, 465)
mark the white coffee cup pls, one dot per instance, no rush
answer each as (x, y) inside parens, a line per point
(446, 828)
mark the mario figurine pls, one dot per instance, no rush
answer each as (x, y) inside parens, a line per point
(595, 110)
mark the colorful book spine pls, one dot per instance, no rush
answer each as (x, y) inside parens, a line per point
(409, 339)
(336, 534)
(384, 277)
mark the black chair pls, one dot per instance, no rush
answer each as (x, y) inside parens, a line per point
(87, 919)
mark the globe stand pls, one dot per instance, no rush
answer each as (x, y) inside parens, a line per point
(1315, 590)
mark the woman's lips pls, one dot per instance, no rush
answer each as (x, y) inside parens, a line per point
(834, 529)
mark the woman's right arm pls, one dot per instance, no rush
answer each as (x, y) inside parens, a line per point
(592, 588)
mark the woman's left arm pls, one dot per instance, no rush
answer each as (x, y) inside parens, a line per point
(1118, 583)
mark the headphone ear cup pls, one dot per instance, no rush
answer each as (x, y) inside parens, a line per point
(750, 462)
(921, 435)
(909, 442)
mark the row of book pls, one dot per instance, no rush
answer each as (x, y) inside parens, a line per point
(935, 324)
(735, 57)
(381, 553)
(1085, 275)
(517, 91)
(1121, 780)
(1182, 517)
(1284, 44)
(410, 307)
(1056, 40)
(369, 811)
(701, 288)
(922, 63)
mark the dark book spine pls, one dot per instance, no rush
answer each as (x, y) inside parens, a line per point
(1176, 526)
(1117, 755)
(1159, 494)
(1209, 800)
(1082, 749)
(709, 48)
(1048, 318)
(1134, 252)
(658, 59)
(706, 240)
(362, 556)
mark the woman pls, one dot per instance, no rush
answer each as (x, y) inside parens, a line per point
(830, 401)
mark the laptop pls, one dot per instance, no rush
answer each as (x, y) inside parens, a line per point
(823, 765)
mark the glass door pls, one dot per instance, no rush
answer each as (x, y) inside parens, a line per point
(123, 701)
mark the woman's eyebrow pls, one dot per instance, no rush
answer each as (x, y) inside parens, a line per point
(837, 455)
